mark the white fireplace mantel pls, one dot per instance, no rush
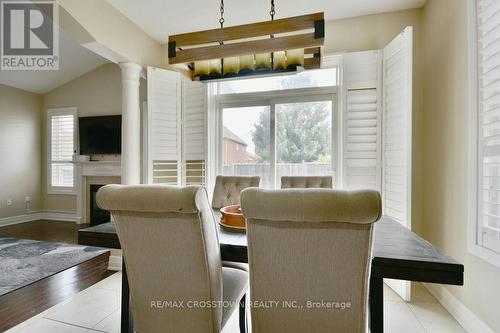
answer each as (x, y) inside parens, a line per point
(91, 169)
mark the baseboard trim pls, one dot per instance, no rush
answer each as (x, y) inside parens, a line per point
(5, 221)
(42, 215)
(68, 216)
(115, 263)
(465, 317)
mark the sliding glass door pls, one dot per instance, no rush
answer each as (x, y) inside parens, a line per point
(285, 136)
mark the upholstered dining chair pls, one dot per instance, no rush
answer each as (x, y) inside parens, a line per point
(171, 253)
(310, 248)
(228, 188)
(227, 192)
(306, 182)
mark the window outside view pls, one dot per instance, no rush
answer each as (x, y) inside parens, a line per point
(303, 130)
(246, 141)
(304, 139)
(306, 79)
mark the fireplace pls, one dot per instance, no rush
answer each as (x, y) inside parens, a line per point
(97, 215)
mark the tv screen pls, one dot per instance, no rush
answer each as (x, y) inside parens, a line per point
(100, 135)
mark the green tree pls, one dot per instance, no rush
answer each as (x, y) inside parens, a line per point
(261, 137)
(303, 130)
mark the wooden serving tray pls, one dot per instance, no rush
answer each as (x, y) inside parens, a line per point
(232, 217)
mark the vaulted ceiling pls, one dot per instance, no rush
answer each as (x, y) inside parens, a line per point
(161, 18)
(75, 60)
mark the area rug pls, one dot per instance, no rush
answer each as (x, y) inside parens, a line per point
(24, 261)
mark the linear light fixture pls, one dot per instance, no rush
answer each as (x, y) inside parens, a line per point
(282, 45)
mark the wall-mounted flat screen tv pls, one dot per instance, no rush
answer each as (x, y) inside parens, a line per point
(100, 135)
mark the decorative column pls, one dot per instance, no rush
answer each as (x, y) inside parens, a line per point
(131, 124)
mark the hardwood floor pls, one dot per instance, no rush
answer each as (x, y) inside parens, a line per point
(24, 303)
(44, 230)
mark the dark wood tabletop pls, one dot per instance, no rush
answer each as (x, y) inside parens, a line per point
(399, 252)
(393, 245)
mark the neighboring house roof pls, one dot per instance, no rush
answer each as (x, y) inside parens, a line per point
(233, 137)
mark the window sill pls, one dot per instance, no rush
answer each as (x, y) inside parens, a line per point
(71, 191)
(485, 254)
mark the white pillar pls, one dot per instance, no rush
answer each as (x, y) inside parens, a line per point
(131, 124)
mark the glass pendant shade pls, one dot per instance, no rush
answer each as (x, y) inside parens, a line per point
(201, 69)
(279, 61)
(294, 58)
(215, 67)
(247, 64)
(263, 62)
(231, 66)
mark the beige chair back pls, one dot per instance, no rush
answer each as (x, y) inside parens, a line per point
(308, 246)
(228, 188)
(171, 253)
(306, 182)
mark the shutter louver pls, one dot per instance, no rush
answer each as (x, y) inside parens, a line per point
(163, 126)
(62, 146)
(361, 153)
(195, 172)
(488, 55)
(194, 132)
(395, 153)
(362, 121)
(165, 172)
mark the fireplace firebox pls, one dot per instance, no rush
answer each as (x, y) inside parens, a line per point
(97, 215)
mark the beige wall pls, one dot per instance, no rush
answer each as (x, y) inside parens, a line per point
(446, 124)
(96, 93)
(370, 32)
(440, 108)
(20, 144)
(373, 32)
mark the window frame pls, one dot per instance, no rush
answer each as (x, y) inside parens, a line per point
(474, 224)
(271, 99)
(72, 111)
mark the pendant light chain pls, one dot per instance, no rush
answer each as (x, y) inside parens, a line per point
(272, 13)
(221, 20)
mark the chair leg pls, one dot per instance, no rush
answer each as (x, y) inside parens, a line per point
(242, 315)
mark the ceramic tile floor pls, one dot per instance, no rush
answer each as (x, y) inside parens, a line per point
(97, 309)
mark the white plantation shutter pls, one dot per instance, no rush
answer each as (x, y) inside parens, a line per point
(194, 126)
(396, 140)
(488, 93)
(164, 98)
(177, 124)
(397, 129)
(61, 127)
(361, 164)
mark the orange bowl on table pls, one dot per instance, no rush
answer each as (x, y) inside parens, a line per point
(232, 217)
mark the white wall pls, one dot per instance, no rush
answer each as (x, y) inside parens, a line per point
(20, 150)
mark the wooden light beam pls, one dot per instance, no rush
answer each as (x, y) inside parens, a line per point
(178, 54)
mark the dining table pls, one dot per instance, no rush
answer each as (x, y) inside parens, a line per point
(398, 253)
